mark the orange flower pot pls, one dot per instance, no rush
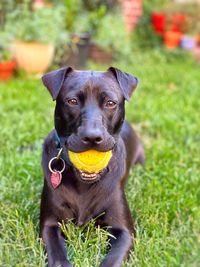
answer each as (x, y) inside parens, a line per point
(6, 69)
(172, 39)
(33, 57)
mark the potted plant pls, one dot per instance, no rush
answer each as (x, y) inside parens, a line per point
(37, 33)
(174, 25)
(171, 18)
(7, 64)
(76, 21)
(82, 21)
(172, 39)
(108, 43)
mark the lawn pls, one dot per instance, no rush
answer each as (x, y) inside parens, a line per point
(164, 197)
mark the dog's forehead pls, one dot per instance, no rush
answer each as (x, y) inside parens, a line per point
(85, 76)
(82, 80)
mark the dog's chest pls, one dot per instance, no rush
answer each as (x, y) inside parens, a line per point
(81, 206)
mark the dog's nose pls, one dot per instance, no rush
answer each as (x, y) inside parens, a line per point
(92, 136)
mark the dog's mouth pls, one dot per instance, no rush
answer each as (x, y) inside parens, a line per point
(90, 177)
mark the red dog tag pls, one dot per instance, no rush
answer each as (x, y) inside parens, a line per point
(56, 178)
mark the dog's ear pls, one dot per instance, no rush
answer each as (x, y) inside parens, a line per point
(54, 80)
(127, 82)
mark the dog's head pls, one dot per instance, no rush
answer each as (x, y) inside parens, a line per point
(89, 109)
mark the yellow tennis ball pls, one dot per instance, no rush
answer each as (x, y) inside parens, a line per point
(90, 161)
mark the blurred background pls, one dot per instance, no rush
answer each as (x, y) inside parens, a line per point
(40, 35)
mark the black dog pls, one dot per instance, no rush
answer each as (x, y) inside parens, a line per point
(89, 114)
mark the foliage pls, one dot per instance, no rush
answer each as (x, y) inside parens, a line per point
(111, 34)
(163, 196)
(144, 36)
(153, 6)
(6, 6)
(36, 25)
(5, 52)
(90, 21)
(80, 20)
(5, 36)
(92, 5)
(72, 9)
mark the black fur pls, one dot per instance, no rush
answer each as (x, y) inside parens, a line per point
(91, 123)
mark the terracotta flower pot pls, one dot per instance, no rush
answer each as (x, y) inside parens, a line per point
(172, 39)
(33, 57)
(6, 69)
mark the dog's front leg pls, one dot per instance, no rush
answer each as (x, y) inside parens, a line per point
(55, 246)
(118, 218)
(121, 243)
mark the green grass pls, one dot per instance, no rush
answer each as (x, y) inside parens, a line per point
(164, 197)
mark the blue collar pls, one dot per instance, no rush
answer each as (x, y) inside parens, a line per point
(57, 141)
(59, 146)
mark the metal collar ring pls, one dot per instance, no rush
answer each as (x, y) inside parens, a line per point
(50, 163)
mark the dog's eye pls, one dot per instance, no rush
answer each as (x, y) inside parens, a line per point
(110, 104)
(72, 101)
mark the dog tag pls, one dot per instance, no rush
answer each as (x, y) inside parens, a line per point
(56, 178)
